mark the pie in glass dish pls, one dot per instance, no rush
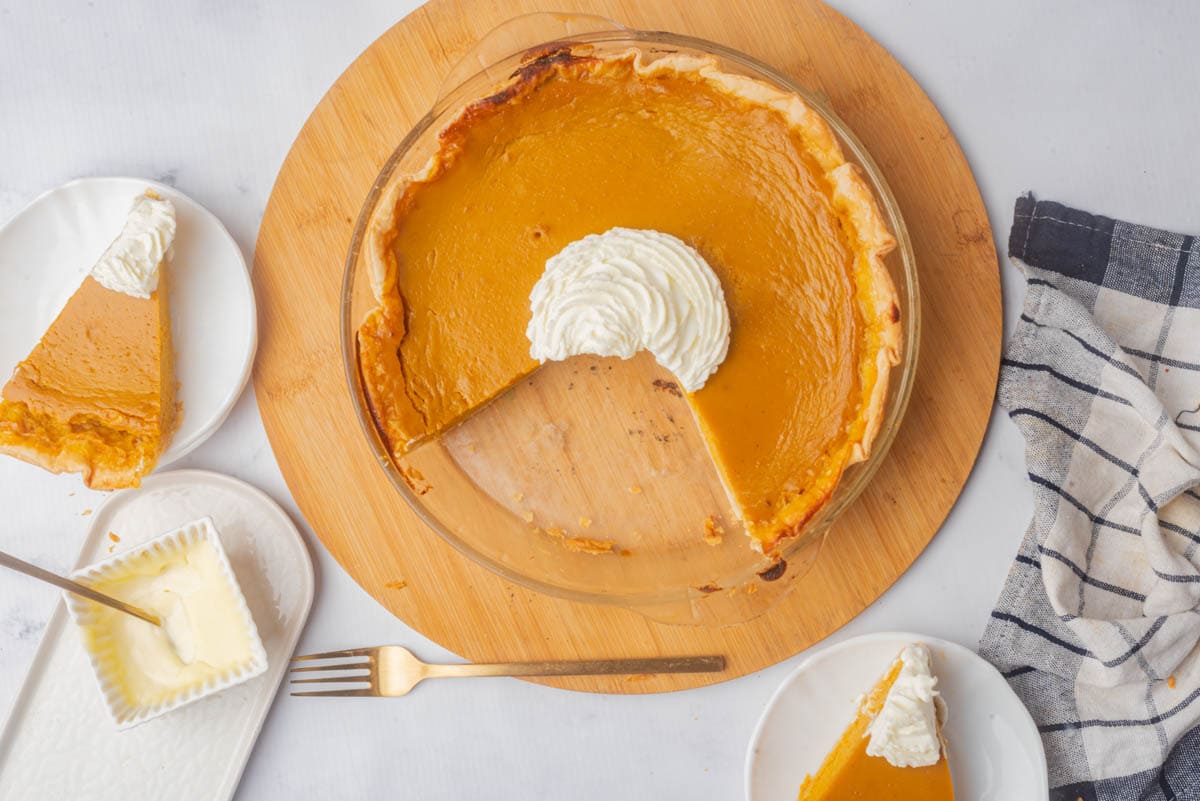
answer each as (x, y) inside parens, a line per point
(750, 176)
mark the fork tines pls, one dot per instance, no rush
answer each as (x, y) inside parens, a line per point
(335, 654)
(354, 678)
(365, 692)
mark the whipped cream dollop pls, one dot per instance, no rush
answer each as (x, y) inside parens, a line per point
(131, 263)
(627, 290)
(905, 731)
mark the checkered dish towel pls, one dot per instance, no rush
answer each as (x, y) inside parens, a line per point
(1098, 624)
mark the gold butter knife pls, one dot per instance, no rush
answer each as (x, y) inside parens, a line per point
(75, 587)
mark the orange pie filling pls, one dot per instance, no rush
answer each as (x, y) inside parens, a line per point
(97, 395)
(748, 176)
(849, 773)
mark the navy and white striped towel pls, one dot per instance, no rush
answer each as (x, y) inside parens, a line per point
(1098, 624)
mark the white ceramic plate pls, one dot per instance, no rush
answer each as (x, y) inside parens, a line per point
(48, 248)
(60, 741)
(995, 751)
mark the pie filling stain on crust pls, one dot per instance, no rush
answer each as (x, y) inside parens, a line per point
(96, 395)
(747, 175)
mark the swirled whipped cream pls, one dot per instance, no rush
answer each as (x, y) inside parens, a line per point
(905, 730)
(131, 263)
(628, 290)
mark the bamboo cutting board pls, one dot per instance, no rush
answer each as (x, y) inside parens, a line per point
(345, 494)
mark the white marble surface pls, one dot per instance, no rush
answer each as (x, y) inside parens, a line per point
(1088, 102)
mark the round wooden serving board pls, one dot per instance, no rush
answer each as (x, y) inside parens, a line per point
(366, 525)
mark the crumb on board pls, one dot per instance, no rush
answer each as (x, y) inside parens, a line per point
(528, 516)
(588, 545)
(112, 535)
(415, 480)
(751, 589)
(714, 532)
(111, 548)
(518, 497)
(85, 512)
(585, 522)
(635, 489)
(638, 677)
(398, 584)
(558, 533)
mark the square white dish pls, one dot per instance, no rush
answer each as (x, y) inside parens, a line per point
(60, 741)
(89, 615)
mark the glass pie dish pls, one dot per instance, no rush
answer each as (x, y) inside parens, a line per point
(584, 454)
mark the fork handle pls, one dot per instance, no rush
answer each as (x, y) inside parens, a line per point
(583, 667)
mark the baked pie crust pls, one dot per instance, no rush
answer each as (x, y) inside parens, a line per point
(576, 143)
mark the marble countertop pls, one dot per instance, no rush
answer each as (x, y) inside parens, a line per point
(1089, 103)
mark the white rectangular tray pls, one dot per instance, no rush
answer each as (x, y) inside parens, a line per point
(60, 743)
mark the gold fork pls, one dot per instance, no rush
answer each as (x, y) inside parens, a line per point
(393, 671)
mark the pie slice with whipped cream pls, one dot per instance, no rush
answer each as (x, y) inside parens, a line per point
(96, 395)
(893, 750)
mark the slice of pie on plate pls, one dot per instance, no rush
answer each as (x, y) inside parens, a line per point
(893, 750)
(752, 178)
(96, 395)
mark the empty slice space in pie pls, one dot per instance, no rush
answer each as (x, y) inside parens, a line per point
(746, 175)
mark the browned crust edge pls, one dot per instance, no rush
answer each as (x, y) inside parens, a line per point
(102, 466)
